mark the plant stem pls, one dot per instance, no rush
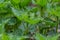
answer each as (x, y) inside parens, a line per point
(57, 25)
(42, 12)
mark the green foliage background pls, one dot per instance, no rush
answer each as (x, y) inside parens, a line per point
(29, 19)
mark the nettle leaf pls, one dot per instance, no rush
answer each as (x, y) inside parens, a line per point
(4, 7)
(14, 37)
(15, 5)
(20, 15)
(2, 4)
(16, 1)
(53, 37)
(34, 20)
(12, 21)
(40, 37)
(49, 22)
(2, 24)
(24, 2)
(16, 12)
(5, 37)
(24, 16)
(23, 38)
(34, 9)
(55, 12)
(41, 2)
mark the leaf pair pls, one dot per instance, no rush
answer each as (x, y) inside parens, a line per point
(21, 15)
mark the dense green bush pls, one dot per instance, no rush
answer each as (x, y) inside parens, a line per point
(29, 19)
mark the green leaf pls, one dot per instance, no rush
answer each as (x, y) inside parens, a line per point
(5, 37)
(24, 3)
(23, 37)
(55, 37)
(41, 2)
(16, 1)
(40, 37)
(1, 1)
(55, 11)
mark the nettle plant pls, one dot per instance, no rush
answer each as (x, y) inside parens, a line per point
(29, 19)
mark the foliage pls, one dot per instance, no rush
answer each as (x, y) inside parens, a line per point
(29, 19)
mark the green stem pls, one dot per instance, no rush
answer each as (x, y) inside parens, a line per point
(57, 25)
(42, 12)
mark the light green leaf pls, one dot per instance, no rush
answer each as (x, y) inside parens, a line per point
(40, 37)
(55, 37)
